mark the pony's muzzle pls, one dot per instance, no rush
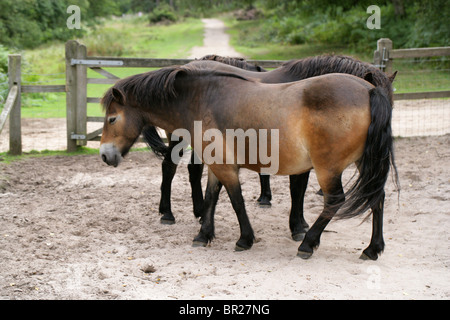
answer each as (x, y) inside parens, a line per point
(110, 155)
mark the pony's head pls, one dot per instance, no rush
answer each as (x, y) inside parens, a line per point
(126, 105)
(121, 128)
(144, 100)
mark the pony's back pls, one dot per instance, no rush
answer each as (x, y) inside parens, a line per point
(319, 65)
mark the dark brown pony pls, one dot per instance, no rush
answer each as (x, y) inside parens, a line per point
(169, 168)
(323, 123)
(290, 71)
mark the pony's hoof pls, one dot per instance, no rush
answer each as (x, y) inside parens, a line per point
(299, 236)
(265, 205)
(367, 255)
(263, 202)
(239, 248)
(199, 244)
(370, 254)
(167, 221)
(304, 255)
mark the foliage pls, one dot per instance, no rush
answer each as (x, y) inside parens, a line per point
(431, 27)
(413, 24)
(29, 23)
(3, 74)
(162, 13)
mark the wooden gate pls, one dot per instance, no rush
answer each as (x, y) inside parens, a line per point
(77, 81)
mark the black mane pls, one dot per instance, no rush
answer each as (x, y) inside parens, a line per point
(319, 65)
(235, 62)
(157, 87)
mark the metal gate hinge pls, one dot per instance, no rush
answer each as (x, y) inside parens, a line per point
(96, 62)
(75, 136)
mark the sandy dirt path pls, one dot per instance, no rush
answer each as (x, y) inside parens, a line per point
(216, 41)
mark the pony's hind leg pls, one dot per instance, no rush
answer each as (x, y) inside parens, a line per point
(169, 169)
(266, 194)
(206, 233)
(297, 223)
(376, 245)
(195, 179)
(333, 199)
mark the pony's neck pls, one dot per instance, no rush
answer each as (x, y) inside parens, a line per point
(164, 117)
(179, 111)
(194, 95)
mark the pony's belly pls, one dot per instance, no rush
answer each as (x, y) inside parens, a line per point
(293, 156)
(296, 167)
(284, 164)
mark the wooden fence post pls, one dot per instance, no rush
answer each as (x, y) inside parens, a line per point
(15, 131)
(81, 73)
(71, 94)
(382, 55)
(76, 95)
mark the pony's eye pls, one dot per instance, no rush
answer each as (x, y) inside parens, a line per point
(112, 120)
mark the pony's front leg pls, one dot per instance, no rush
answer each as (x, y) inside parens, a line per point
(297, 222)
(206, 233)
(228, 175)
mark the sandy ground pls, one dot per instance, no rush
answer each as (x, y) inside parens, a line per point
(73, 228)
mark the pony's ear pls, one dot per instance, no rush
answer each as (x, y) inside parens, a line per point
(118, 96)
(368, 77)
(392, 76)
(169, 83)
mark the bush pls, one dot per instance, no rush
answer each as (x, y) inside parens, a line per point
(105, 43)
(344, 23)
(3, 74)
(163, 13)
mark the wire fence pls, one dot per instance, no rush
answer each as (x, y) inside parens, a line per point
(44, 124)
(421, 117)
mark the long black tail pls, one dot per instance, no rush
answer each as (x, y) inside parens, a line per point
(376, 161)
(155, 142)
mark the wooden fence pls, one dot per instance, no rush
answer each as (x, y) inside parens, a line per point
(77, 63)
(12, 107)
(384, 58)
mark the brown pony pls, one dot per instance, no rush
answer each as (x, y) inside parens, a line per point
(290, 71)
(323, 123)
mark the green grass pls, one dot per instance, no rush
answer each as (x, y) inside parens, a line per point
(245, 38)
(414, 75)
(134, 37)
(7, 158)
(130, 37)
